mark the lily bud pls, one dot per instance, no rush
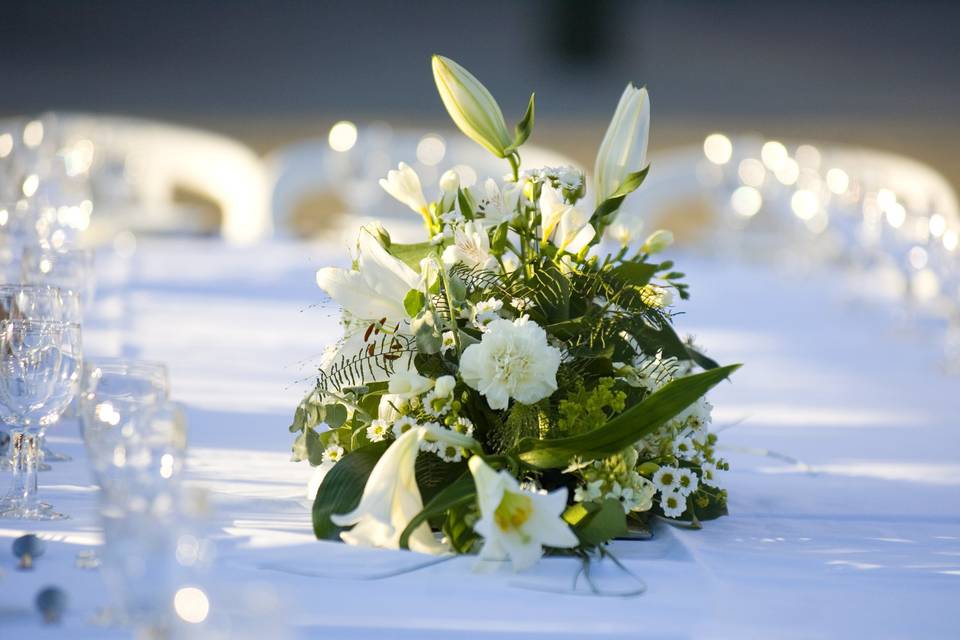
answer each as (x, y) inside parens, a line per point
(471, 106)
(624, 147)
(657, 241)
(449, 185)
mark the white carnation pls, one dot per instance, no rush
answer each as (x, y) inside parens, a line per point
(512, 361)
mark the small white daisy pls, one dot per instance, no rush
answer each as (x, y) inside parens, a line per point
(333, 453)
(673, 504)
(447, 341)
(377, 431)
(666, 479)
(485, 312)
(684, 448)
(708, 474)
(429, 447)
(463, 425)
(687, 481)
(435, 405)
(403, 424)
(448, 452)
(625, 495)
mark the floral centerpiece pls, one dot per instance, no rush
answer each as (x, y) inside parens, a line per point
(509, 385)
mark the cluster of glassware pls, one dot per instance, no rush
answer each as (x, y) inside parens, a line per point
(134, 435)
(892, 223)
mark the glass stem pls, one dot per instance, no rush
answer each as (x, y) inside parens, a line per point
(31, 446)
(17, 464)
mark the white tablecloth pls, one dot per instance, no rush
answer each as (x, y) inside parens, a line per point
(844, 441)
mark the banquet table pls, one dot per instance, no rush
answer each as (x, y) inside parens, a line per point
(842, 434)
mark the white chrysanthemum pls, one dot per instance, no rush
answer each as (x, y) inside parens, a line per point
(471, 247)
(403, 424)
(687, 481)
(673, 504)
(448, 452)
(666, 479)
(447, 341)
(378, 430)
(513, 360)
(333, 453)
(684, 448)
(708, 474)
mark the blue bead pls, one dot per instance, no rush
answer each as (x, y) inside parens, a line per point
(28, 545)
(51, 602)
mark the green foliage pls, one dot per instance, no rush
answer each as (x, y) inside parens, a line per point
(594, 523)
(525, 127)
(603, 214)
(412, 254)
(458, 527)
(586, 409)
(414, 302)
(342, 488)
(625, 429)
(460, 492)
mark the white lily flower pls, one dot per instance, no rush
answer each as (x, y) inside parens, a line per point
(567, 227)
(391, 497)
(471, 106)
(498, 205)
(514, 523)
(624, 147)
(513, 360)
(471, 246)
(404, 185)
(316, 478)
(376, 289)
(407, 384)
(624, 230)
(391, 407)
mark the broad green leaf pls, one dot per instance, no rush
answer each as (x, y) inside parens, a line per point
(466, 204)
(635, 273)
(298, 419)
(342, 487)
(460, 492)
(665, 339)
(412, 254)
(626, 428)
(334, 415)
(314, 446)
(525, 126)
(413, 302)
(603, 213)
(499, 239)
(458, 527)
(597, 524)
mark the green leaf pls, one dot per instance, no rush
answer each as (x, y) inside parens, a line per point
(551, 294)
(665, 339)
(412, 254)
(626, 428)
(635, 273)
(460, 492)
(595, 524)
(604, 211)
(335, 415)
(342, 488)
(499, 242)
(314, 446)
(467, 206)
(458, 527)
(413, 302)
(298, 419)
(525, 127)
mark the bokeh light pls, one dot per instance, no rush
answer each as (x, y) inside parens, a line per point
(191, 604)
(718, 148)
(343, 136)
(746, 201)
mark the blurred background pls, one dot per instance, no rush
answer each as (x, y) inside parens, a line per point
(269, 72)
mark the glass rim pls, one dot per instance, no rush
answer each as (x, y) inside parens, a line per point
(99, 362)
(39, 322)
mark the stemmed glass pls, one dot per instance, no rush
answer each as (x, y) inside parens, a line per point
(40, 364)
(37, 302)
(70, 270)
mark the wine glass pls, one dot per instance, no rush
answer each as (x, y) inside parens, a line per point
(37, 302)
(70, 270)
(40, 364)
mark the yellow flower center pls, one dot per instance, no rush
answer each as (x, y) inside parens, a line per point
(514, 510)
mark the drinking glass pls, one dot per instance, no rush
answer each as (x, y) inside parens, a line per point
(114, 394)
(70, 270)
(37, 302)
(40, 364)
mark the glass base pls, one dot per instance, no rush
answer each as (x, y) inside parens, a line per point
(12, 510)
(54, 456)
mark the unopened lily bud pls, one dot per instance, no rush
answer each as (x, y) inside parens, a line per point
(657, 241)
(471, 106)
